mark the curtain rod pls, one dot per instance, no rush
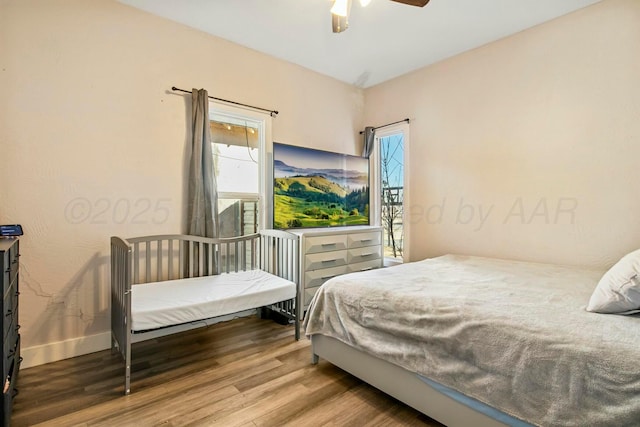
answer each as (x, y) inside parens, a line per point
(388, 124)
(272, 113)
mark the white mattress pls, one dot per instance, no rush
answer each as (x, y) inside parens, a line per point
(159, 304)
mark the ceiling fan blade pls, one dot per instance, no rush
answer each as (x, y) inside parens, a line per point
(419, 3)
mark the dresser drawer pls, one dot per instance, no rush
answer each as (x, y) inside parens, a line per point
(5, 282)
(365, 266)
(325, 260)
(309, 294)
(9, 270)
(318, 277)
(9, 296)
(11, 350)
(12, 262)
(359, 240)
(10, 311)
(9, 333)
(316, 244)
(366, 253)
(9, 325)
(10, 378)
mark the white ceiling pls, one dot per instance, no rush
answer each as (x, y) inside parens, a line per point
(384, 40)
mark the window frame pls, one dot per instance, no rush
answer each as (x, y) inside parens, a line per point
(376, 186)
(219, 110)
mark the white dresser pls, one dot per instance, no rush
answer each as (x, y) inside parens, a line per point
(329, 252)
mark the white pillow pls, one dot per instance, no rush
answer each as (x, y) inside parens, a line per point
(618, 290)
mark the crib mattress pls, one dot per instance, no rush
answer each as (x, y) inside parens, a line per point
(160, 304)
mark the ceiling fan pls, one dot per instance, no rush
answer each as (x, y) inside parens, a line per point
(341, 8)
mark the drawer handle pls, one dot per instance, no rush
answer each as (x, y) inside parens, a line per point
(327, 244)
(365, 240)
(367, 254)
(329, 260)
(366, 269)
(328, 277)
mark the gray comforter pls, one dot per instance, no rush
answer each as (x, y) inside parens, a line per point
(513, 335)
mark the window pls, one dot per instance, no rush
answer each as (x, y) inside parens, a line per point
(392, 193)
(238, 142)
(389, 190)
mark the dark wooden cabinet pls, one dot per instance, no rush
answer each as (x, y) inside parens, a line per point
(9, 263)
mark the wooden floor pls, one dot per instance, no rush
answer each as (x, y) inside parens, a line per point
(247, 372)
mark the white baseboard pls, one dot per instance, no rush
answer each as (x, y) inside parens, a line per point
(52, 352)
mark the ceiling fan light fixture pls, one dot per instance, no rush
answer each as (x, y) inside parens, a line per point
(339, 23)
(341, 7)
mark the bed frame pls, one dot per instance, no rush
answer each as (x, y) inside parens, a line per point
(169, 257)
(403, 385)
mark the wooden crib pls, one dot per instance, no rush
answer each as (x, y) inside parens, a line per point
(172, 283)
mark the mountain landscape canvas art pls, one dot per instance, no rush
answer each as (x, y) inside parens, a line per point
(314, 188)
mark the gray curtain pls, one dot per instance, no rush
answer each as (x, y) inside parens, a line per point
(203, 192)
(369, 137)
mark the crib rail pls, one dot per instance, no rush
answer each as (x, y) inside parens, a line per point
(176, 256)
(121, 303)
(279, 255)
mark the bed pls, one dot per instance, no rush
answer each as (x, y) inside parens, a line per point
(172, 283)
(473, 341)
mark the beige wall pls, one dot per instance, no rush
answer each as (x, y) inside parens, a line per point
(527, 148)
(89, 128)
